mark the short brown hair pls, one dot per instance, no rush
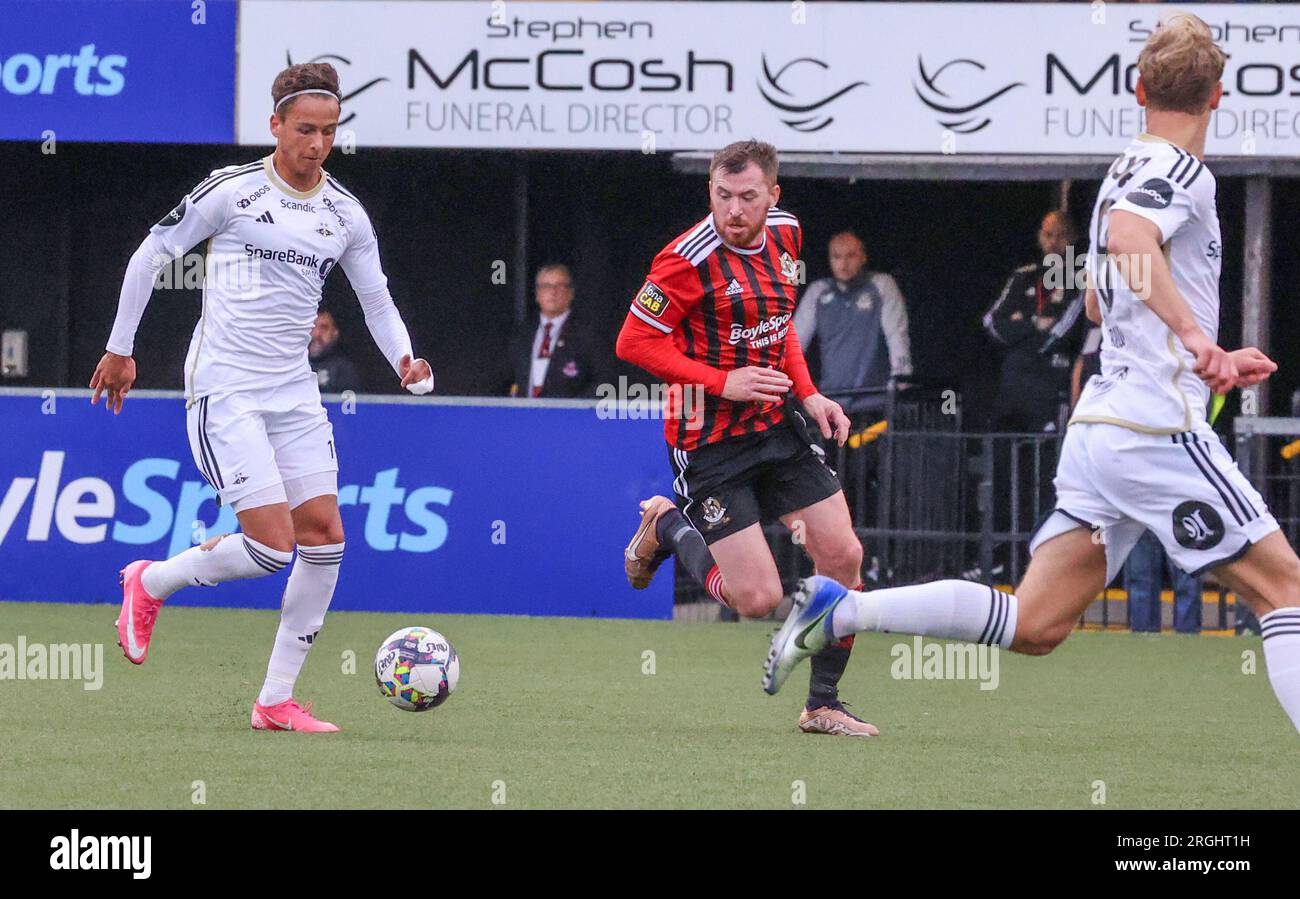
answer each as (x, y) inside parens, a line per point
(559, 267)
(1180, 65)
(305, 76)
(734, 157)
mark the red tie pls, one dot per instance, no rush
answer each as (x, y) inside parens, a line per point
(543, 352)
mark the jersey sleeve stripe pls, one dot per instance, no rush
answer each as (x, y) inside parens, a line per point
(217, 182)
(204, 187)
(691, 235)
(341, 189)
(1177, 162)
(690, 247)
(658, 325)
(1200, 168)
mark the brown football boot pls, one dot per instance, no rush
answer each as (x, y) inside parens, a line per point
(642, 558)
(835, 720)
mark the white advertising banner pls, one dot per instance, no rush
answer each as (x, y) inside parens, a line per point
(867, 77)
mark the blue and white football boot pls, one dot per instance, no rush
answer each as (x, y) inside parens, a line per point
(807, 629)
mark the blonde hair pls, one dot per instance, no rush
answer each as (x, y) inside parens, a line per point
(1180, 65)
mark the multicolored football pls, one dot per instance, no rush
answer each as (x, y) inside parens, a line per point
(416, 669)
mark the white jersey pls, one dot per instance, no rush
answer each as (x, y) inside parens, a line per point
(1146, 382)
(269, 250)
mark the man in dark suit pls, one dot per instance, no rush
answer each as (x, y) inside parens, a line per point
(559, 357)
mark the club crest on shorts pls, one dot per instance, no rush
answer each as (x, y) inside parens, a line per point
(1197, 525)
(714, 513)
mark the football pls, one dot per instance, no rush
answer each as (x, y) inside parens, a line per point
(416, 668)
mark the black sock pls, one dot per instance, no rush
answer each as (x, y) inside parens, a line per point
(827, 669)
(677, 535)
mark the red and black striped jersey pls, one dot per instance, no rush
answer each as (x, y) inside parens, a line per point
(721, 308)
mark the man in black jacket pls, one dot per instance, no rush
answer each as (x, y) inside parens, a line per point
(1041, 327)
(334, 371)
(560, 356)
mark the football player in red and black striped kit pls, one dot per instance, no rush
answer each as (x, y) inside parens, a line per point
(714, 319)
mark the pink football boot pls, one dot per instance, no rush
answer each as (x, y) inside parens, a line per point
(288, 715)
(139, 612)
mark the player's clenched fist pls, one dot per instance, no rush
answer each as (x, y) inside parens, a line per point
(1214, 365)
(757, 385)
(829, 416)
(1252, 366)
(114, 374)
(417, 376)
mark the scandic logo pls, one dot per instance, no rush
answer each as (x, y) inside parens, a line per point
(87, 510)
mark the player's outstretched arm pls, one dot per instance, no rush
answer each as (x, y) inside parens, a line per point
(115, 373)
(1133, 242)
(366, 275)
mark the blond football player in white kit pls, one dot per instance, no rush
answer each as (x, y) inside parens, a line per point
(1138, 454)
(259, 434)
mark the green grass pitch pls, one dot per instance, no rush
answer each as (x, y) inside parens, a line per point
(560, 713)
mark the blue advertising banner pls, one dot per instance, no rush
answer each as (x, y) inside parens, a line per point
(152, 71)
(503, 509)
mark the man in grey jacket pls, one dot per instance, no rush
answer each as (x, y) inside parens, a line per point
(859, 319)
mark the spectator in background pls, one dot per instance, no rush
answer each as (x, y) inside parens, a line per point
(1041, 328)
(859, 320)
(560, 357)
(1143, 578)
(334, 372)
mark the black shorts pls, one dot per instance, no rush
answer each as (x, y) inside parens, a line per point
(725, 487)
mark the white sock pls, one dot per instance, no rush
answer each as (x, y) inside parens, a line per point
(1281, 630)
(306, 598)
(956, 610)
(234, 558)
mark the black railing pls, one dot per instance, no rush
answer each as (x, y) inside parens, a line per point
(931, 502)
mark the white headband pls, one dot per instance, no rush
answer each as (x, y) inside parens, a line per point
(310, 90)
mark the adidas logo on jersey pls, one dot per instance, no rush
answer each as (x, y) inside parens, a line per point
(265, 217)
(734, 288)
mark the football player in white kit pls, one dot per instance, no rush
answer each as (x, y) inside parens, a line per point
(259, 434)
(1138, 453)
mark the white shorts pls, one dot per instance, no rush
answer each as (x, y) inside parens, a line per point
(1184, 488)
(264, 446)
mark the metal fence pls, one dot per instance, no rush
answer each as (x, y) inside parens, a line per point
(929, 501)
